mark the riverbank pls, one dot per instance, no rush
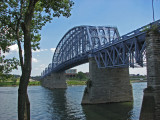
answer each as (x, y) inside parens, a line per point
(75, 82)
(69, 83)
(136, 81)
(83, 82)
(7, 84)
(37, 83)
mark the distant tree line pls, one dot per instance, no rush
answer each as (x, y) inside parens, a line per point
(79, 76)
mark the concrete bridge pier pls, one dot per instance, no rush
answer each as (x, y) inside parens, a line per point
(107, 85)
(151, 101)
(55, 80)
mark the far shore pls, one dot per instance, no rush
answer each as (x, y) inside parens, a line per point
(69, 83)
(135, 81)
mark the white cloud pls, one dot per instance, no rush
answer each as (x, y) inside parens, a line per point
(40, 50)
(34, 60)
(36, 68)
(13, 48)
(35, 51)
(42, 67)
(53, 49)
(141, 71)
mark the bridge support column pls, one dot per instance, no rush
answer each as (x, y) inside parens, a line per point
(107, 85)
(55, 80)
(151, 101)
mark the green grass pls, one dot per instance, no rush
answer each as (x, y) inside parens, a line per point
(75, 82)
(69, 82)
(9, 83)
(2, 84)
(34, 83)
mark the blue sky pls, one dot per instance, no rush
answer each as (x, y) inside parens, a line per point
(126, 15)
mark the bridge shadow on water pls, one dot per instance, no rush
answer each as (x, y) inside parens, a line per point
(65, 104)
(114, 111)
(56, 105)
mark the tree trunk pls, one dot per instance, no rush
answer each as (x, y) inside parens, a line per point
(23, 100)
(23, 106)
(27, 109)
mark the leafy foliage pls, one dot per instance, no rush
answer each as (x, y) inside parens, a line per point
(152, 28)
(81, 75)
(6, 66)
(12, 18)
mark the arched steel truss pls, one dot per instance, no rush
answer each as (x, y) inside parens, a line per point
(102, 43)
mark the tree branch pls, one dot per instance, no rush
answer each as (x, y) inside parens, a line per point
(20, 53)
(17, 34)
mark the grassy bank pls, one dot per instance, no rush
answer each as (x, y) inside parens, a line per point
(75, 82)
(8, 84)
(34, 83)
(69, 82)
(133, 81)
(2, 84)
(78, 82)
(83, 82)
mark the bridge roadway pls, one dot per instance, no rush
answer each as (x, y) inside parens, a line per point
(103, 47)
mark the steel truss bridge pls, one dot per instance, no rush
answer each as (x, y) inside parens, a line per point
(109, 49)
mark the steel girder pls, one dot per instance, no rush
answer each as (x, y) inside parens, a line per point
(102, 43)
(77, 44)
(127, 53)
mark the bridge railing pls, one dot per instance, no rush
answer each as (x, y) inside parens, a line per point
(140, 30)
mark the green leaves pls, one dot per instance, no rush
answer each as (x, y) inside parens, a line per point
(12, 14)
(7, 65)
(57, 7)
(81, 75)
(151, 28)
(35, 41)
(12, 17)
(10, 64)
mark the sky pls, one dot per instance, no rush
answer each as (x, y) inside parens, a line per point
(126, 15)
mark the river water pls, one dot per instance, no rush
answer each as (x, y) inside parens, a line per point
(65, 104)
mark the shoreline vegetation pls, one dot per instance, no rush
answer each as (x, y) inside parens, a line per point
(69, 83)
(79, 78)
(13, 84)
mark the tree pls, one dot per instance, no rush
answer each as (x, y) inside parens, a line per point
(81, 75)
(24, 19)
(6, 65)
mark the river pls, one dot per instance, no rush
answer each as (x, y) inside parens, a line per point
(65, 104)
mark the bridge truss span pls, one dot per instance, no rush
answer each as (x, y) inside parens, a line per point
(129, 50)
(104, 44)
(75, 46)
(123, 53)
